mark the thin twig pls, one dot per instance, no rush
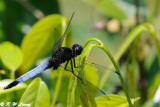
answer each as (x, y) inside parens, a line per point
(36, 12)
(137, 11)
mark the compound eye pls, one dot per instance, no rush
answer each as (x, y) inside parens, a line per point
(77, 49)
(74, 46)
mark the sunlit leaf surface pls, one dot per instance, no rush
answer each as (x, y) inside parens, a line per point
(113, 100)
(10, 55)
(36, 94)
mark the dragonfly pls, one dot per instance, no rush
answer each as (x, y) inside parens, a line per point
(60, 55)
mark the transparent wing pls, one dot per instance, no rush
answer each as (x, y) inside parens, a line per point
(81, 84)
(95, 73)
(58, 40)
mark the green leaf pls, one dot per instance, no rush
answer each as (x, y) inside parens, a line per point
(2, 6)
(90, 69)
(154, 86)
(113, 101)
(36, 94)
(39, 41)
(10, 55)
(60, 86)
(108, 7)
(13, 94)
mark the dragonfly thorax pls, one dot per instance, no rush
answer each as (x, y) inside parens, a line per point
(64, 54)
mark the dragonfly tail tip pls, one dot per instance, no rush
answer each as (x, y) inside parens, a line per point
(14, 83)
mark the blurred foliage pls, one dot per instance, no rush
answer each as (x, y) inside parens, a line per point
(26, 39)
(108, 7)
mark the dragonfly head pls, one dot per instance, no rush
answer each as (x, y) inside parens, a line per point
(77, 49)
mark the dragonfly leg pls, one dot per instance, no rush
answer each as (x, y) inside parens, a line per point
(117, 72)
(72, 67)
(81, 78)
(74, 62)
(74, 73)
(66, 66)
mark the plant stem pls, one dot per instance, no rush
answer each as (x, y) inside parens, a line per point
(36, 12)
(133, 35)
(130, 72)
(12, 74)
(137, 11)
(154, 10)
(102, 46)
(58, 85)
